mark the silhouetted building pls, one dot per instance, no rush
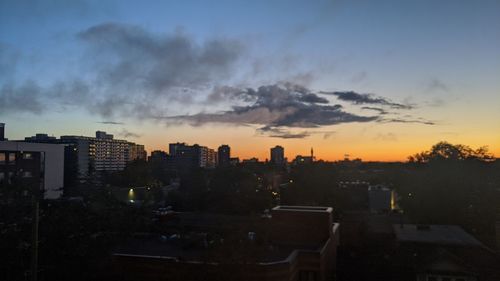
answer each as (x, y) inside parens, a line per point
(223, 155)
(278, 155)
(2, 131)
(34, 166)
(299, 160)
(158, 156)
(233, 161)
(251, 160)
(294, 243)
(185, 158)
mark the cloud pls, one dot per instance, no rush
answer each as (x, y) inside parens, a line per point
(274, 107)
(380, 111)
(356, 98)
(140, 70)
(282, 133)
(24, 98)
(111, 123)
(407, 120)
(436, 84)
(127, 134)
(131, 73)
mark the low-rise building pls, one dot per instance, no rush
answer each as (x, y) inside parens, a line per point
(295, 243)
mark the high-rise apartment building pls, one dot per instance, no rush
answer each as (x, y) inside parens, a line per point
(84, 156)
(135, 152)
(224, 155)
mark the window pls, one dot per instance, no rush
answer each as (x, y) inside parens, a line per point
(27, 156)
(2, 158)
(2, 177)
(12, 158)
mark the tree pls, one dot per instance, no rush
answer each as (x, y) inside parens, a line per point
(453, 184)
(447, 151)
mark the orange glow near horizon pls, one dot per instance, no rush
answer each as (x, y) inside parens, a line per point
(349, 140)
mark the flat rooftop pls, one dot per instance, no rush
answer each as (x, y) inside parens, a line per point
(303, 208)
(435, 234)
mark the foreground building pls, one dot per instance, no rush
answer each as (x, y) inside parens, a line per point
(294, 243)
(35, 166)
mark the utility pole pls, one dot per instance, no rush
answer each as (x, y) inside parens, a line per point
(34, 239)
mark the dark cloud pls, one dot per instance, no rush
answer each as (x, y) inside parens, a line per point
(111, 123)
(274, 107)
(356, 98)
(407, 120)
(282, 133)
(24, 98)
(380, 111)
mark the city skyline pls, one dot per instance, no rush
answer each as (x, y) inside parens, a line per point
(378, 81)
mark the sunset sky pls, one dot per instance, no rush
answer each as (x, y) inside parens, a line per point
(378, 80)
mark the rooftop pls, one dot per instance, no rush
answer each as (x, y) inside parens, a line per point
(434, 234)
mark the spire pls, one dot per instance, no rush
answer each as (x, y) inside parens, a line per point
(312, 154)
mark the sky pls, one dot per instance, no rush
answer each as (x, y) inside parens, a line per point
(376, 80)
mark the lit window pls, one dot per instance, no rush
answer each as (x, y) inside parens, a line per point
(2, 158)
(27, 156)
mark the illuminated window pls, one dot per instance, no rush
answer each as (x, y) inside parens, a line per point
(2, 158)
(27, 156)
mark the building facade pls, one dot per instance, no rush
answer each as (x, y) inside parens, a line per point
(35, 166)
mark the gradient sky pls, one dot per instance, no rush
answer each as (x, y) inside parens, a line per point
(156, 72)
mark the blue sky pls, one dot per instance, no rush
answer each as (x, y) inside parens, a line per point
(442, 57)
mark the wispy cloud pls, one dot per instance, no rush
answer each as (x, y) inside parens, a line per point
(357, 98)
(111, 123)
(127, 134)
